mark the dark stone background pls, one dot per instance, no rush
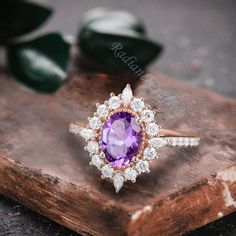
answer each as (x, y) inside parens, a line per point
(200, 45)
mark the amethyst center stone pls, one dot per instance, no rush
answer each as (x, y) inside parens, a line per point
(121, 138)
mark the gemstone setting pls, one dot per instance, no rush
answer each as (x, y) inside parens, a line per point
(96, 161)
(118, 181)
(147, 116)
(107, 171)
(142, 166)
(130, 174)
(95, 123)
(114, 102)
(152, 129)
(121, 138)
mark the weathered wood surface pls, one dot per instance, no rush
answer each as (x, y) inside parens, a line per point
(46, 169)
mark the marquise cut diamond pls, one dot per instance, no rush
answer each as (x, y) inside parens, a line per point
(157, 142)
(118, 181)
(87, 133)
(127, 95)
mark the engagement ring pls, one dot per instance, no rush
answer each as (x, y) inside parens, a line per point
(123, 137)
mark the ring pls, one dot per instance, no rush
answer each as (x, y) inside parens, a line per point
(123, 137)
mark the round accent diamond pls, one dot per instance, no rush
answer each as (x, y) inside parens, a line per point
(107, 171)
(152, 129)
(130, 174)
(96, 161)
(114, 102)
(121, 138)
(118, 181)
(147, 116)
(95, 123)
(102, 110)
(137, 105)
(92, 147)
(142, 166)
(149, 153)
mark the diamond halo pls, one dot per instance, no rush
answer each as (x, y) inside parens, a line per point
(124, 102)
(135, 119)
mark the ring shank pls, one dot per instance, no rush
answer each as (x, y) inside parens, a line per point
(175, 133)
(178, 138)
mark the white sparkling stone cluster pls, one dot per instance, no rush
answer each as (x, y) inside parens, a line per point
(145, 117)
(182, 141)
(91, 133)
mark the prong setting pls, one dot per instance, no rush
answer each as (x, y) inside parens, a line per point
(148, 148)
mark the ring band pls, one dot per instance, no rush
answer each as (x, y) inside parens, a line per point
(123, 137)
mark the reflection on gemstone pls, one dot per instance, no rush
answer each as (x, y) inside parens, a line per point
(121, 138)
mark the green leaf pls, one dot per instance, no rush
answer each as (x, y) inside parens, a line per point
(40, 64)
(107, 37)
(18, 17)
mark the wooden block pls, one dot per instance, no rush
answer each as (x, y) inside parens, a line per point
(45, 168)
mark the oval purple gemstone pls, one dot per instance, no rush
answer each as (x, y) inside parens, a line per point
(121, 138)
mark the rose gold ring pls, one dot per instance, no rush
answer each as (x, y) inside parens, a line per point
(123, 137)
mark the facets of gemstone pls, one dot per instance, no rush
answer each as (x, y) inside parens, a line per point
(118, 181)
(92, 147)
(147, 116)
(127, 95)
(102, 110)
(130, 174)
(95, 123)
(152, 129)
(149, 153)
(87, 133)
(96, 161)
(142, 166)
(137, 105)
(114, 102)
(107, 171)
(157, 142)
(121, 138)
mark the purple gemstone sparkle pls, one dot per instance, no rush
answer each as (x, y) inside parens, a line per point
(121, 138)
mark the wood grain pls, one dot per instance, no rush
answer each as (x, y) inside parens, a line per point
(46, 169)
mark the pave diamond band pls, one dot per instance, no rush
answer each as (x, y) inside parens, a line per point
(182, 141)
(123, 137)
